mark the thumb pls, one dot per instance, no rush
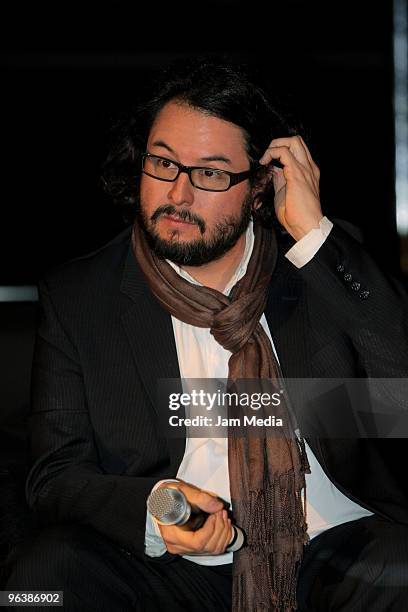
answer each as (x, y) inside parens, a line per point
(205, 501)
(209, 503)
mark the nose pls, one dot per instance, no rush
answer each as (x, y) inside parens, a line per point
(181, 191)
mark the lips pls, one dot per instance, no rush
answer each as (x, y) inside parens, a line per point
(177, 220)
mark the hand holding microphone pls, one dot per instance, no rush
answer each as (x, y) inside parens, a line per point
(192, 521)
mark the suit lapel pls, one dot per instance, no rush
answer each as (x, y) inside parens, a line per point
(286, 313)
(287, 319)
(150, 333)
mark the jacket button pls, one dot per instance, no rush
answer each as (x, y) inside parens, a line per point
(347, 277)
(364, 294)
(355, 286)
(340, 268)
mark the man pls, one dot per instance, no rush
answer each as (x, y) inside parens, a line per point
(200, 287)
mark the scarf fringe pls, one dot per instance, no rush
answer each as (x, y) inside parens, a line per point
(277, 509)
(270, 591)
(264, 577)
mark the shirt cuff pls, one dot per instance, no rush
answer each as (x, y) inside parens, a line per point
(306, 248)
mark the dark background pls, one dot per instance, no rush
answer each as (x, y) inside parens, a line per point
(67, 74)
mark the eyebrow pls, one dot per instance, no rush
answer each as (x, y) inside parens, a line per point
(209, 158)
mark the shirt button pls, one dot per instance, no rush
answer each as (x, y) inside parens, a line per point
(340, 268)
(355, 286)
(347, 277)
(364, 294)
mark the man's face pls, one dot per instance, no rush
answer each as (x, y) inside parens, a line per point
(182, 223)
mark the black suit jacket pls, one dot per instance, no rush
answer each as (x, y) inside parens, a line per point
(104, 341)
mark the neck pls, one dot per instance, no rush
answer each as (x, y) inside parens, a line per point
(216, 274)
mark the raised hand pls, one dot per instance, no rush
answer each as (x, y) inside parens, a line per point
(297, 203)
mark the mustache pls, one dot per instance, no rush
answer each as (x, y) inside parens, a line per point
(183, 214)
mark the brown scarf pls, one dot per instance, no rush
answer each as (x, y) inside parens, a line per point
(266, 473)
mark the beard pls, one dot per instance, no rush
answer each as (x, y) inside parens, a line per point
(199, 251)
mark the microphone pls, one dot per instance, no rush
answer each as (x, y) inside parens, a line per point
(169, 506)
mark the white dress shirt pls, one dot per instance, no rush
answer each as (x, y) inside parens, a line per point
(205, 461)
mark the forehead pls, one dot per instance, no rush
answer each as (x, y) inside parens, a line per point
(193, 134)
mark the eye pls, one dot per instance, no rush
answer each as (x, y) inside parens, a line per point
(209, 173)
(164, 163)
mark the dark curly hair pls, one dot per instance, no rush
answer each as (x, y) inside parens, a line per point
(216, 88)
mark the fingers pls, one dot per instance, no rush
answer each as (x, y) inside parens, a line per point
(295, 144)
(293, 169)
(291, 165)
(182, 541)
(299, 151)
(212, 539)
(221, 535)
(178, 541)
(214, 536)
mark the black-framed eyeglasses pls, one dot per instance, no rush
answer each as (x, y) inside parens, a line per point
(207, 179)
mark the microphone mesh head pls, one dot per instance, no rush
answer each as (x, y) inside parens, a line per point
(167, 505)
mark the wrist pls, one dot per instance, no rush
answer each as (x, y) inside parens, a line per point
(300, 231)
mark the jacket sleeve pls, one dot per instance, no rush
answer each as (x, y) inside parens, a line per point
(66, 482)
(368, 306)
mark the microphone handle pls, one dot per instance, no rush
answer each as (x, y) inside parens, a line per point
(196, 520)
